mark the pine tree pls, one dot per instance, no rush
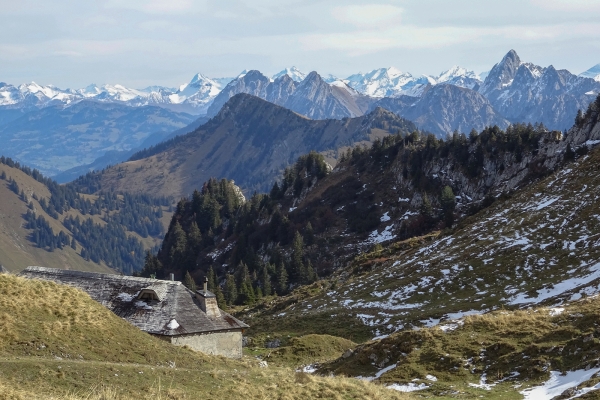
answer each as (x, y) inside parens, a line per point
(247, 295)
(311, 274)
(212, 279)
(282, 279)
(73, 244)
(194, 237)
(178, 249)
(426, 209)
(152, 266)
(309, 234)
(297, 269)
(189, 282)
(231, 293)
(220, 297)
(265, 281)
(448, 204)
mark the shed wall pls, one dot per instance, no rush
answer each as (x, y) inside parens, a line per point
(228, 344)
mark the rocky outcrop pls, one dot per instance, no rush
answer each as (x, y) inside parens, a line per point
(525, 92)
(445, 108)
(506, 172)
(312, 97)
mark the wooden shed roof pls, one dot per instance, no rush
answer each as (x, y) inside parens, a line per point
(120, 295)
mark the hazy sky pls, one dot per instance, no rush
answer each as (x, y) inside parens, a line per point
(71, 43)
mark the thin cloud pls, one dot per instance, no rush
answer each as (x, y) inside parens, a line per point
(573, 6)
(415, 37)
(373, 15)
(155, 6)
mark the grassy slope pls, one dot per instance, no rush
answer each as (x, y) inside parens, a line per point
(16, 251)
(540, 246)
(513, 350)
(56, 342)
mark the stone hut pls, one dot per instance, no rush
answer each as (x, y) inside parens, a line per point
(166, 309)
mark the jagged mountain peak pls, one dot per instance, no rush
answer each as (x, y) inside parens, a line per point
(454, 72)
(502, 73)
(314, 76)
(199, 79)
(294, 73)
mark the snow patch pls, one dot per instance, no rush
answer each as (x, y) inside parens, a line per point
(376, 237)
(142, 304)
(410, 387)
(558, 383)
(173, 324)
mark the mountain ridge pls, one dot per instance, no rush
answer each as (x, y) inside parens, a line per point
(251, 141)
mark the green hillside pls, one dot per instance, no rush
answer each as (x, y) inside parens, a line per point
(43, 223)
(55, 342)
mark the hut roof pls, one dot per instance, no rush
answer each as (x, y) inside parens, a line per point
(155, 306)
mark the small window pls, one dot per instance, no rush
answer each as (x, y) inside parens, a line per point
(148, 294)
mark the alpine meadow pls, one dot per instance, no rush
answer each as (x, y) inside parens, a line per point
(337, 229)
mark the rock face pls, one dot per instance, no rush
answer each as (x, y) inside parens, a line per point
(525, 92)
(445, 108)
(250, 141)
(511, 171)
(312, 97)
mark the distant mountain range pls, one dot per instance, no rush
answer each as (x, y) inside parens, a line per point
(457, 99)
(57, 138)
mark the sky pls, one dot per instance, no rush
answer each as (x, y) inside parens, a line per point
(137, 43)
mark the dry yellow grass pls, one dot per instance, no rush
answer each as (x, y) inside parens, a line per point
(16, 250)
(57, 343)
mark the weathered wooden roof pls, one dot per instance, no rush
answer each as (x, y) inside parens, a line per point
(120, 295)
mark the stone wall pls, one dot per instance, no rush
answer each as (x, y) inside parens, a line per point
(228, 344)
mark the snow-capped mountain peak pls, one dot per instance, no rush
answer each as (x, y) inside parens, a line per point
(382, 82)
(456, 72)
(292, 72)
(593, 73)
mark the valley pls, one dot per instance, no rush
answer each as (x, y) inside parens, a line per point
(383, 236)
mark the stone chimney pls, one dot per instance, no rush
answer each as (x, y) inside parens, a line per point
(208, 301)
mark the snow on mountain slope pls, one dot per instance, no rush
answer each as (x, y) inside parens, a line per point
(525, 92)
(383, 82)
(455, 72)
(193, 97)
(593, 73)
(391, 82)
(538, 245)
(293, 72)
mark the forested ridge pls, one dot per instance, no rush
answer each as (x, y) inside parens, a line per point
(268, 245)
(108, 239)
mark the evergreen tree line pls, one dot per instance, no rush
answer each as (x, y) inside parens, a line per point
(137, 212)
(263, 233)
(245, 287)
(42, 234)
(109, 243)
(216, 213)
